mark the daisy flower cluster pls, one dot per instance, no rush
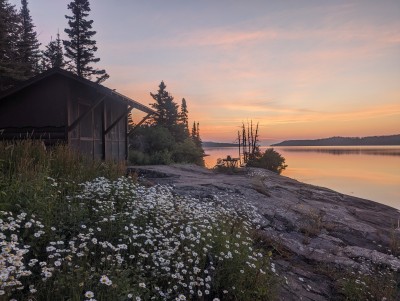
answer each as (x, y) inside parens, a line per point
(135, 243)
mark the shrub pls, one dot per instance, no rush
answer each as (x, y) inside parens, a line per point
(158, 145)
(138, 157)
(270, 160)
(161, 157)
(188, 152)
(149, 139)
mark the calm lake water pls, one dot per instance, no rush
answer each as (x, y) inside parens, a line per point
(370, 172)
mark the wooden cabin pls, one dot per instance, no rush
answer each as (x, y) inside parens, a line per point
(58, 106)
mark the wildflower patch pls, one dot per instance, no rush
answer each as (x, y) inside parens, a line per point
(117, 240)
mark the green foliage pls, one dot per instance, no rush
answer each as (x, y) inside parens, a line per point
(28, 45)
(53, 55)
(156, 145)
(150, 139)
(67, 238)
(184, 117)
(379, 282)
(270, 160)
(166, 108)
(139, 158)
(196, 134)
(80, 48)
(188, 152)
(151, 145)
(26, 165)
(166, 138)
(10, 73)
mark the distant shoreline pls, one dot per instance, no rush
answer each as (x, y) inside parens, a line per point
(218, 144)
(391, 140)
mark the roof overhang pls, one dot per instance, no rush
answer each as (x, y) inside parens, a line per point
(112, 94)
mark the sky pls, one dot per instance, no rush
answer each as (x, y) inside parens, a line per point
(302, 69)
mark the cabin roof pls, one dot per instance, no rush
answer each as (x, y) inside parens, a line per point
(98, 87)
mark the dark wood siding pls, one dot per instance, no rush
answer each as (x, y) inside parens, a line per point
(36, 111)
(60, 106)
(115, 139)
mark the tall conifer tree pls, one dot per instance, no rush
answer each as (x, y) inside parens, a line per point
(194, 131)
(196, 134)
(183, 117)
(9, 31)
(80, 48)
(166, 108)
(28, 45)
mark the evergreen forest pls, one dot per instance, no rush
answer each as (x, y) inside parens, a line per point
(21, 54)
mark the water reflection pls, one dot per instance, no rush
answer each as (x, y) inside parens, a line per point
(349, 170)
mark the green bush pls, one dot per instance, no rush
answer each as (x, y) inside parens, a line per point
(270, 160)
(162, 157)
(151, 139)
(157, 145)
(138, 158)
(188, 152)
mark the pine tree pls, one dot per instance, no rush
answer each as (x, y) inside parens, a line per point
(194, 131)
(196, 134)
(166, 108)
(198, 131)
(28, 45)
(10, 74)
(183, 116)
(53, 55)
(80, 48)
(198, 139)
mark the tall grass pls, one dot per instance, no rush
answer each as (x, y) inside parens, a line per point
(74, 229)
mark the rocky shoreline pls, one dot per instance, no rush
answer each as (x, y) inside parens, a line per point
(317, 235)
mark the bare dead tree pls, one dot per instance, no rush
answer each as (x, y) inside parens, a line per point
(248, 142)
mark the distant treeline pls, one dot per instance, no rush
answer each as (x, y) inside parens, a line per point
(344, 141)
(218, 144)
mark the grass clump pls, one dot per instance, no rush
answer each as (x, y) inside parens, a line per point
(380, 283)
(71, 236)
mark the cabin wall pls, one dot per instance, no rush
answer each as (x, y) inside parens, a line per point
(51, 108)
(86, 136)
(115, 140)
(38, 111)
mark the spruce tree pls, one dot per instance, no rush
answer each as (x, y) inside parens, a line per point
(80, 48)
(10, 74)
(196, 134)
(53, 55)
(28, 45)
(198, 139)
(194, 131)
(166, 108)
(183, 117)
